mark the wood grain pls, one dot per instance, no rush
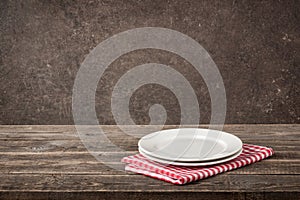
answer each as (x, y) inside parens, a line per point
(42, 162)
(220, 183)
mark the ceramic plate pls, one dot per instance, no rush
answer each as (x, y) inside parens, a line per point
(190, 144)
(194, 164)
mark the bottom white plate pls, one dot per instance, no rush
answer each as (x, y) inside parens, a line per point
(212, 162)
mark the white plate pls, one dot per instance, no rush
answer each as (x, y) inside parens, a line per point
(192, 164)
(190, 144)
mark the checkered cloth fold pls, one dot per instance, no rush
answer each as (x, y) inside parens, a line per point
(180, 175)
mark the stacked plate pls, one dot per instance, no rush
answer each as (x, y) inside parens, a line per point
(190, 146)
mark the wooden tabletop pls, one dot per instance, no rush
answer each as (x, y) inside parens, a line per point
(46, 162)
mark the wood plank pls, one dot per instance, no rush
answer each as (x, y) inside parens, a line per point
(254, 129)
(137, 183)
(12, 156)
(126, 144)
(117, 135)
(84, 163)
(248, 128)
(64, 138)
(23, 195)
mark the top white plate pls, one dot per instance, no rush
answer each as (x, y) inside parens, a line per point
(190, 144)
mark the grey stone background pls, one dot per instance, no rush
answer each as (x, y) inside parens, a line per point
(255, 44)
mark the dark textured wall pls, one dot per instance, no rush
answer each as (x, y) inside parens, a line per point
(255, 44)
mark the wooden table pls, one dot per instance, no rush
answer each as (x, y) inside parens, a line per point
(43, 162)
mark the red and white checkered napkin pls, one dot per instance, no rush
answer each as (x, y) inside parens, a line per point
(182, 175)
